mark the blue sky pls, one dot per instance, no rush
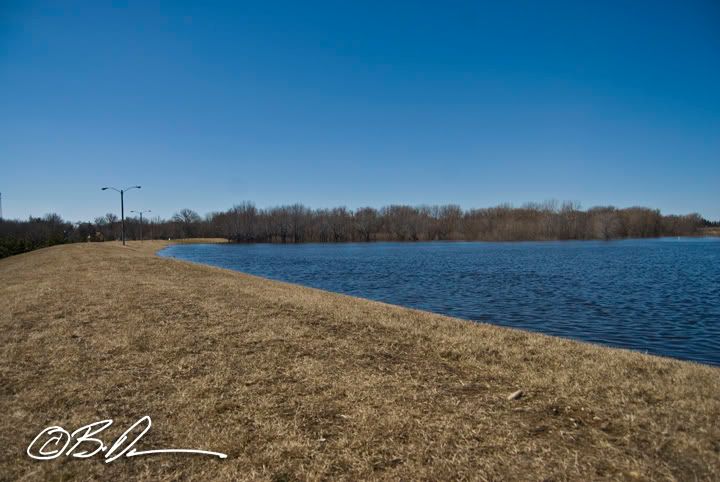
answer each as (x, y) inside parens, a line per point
(208, 104)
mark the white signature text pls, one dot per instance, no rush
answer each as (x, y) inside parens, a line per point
(52, 442)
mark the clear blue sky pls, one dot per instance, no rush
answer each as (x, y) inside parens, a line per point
(210, 103)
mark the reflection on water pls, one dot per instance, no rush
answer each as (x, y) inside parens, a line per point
(661, 295)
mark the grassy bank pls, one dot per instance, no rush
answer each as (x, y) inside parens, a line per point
(296, 383)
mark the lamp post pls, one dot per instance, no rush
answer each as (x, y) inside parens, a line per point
(122, 206)
(141, 213)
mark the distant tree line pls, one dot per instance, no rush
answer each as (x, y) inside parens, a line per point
(245, 223)
(21, 236)
(535, 221)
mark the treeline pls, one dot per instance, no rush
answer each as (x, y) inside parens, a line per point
(296, 223)
(20, 236)
(544, 221)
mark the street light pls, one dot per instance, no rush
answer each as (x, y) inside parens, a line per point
(122, 206)
(141, 213)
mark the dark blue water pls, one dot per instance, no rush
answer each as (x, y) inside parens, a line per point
(661, 295)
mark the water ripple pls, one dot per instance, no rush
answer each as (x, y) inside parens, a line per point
(660, 296)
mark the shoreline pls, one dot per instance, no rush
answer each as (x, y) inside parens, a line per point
(712, 235)
(687, 352)
(294, 382)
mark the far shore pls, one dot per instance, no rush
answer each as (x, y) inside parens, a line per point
(704, 233)
(295, 383)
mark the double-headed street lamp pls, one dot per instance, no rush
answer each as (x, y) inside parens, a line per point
(141, 213)
(122, 206)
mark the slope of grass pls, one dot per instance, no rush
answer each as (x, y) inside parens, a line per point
(295, 383)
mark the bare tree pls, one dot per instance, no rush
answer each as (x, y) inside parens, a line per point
(187, 221)
(367, 223)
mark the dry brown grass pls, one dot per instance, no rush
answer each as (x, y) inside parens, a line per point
(296, 383)
(184, 241)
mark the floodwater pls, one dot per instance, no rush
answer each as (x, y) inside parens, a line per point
(660, 296)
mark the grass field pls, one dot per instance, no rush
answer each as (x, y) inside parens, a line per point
(295, 383)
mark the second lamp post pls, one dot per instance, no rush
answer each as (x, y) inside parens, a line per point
(141, 213)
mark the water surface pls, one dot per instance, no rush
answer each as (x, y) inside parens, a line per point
(656, 295)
